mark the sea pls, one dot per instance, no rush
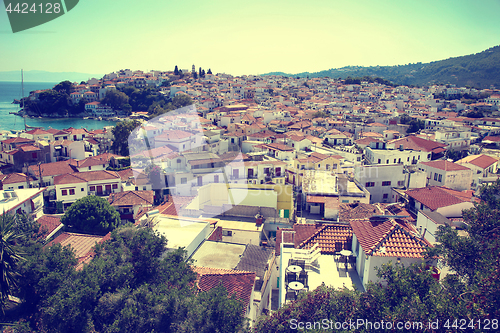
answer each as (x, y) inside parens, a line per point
(13, 90)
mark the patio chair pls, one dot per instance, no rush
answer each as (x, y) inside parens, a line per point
(291, 295)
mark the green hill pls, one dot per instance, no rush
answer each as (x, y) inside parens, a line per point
(480, 70)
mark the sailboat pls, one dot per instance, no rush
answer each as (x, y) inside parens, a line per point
(26, 127)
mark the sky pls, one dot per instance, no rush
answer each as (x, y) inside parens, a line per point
(250, 37)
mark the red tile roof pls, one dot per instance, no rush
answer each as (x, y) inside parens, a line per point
(49, 223)
(82, 244)
(13, 178)
(331, 238)
(302, 232)
(131, 198)
(388, 238)
(52, 169)
(435, 197)
(483, 161)
(237, 283)
(445, 165)
(415, 143)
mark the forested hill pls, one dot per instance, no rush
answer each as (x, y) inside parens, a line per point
(480, 70)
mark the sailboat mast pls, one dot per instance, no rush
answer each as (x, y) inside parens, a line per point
(22, 99)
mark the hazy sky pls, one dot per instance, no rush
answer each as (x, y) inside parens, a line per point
(250, 37)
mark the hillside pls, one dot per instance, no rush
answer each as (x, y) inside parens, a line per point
(480, 70)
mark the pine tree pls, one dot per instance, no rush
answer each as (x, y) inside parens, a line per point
(209, 71)
(176, 70)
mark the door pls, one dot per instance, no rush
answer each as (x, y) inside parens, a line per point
(236, 174)
(108, 188)
(278, 172)
(99, 189)
(200, 181)
(250, 173)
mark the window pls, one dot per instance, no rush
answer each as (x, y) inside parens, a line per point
(178, 160)
(92, 188)
(369, 184)
(64, 192)
(82, 189)
(33, 155)
(227, 233)
(421, 206)
(401, 182)
(379, 161)
(115, 186)
(385, 196)
(440, 178)
(72, 191)
(345, 201)
(436, 176)
(90, 168)
(386, 183)
(387, 162)
(184, 180)
(394, 160)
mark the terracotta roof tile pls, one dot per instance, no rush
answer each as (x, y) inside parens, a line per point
(82, 244)
(416, 143)
(49, 222)
(483, 161)
(238, 283)
(52, 169)
(302, 232)
(331, 238)
(445, 165)
(388, 238)
(435, 197)
(131, 198)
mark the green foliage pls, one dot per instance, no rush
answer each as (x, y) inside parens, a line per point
(176, 70)
(10, 256)
(55, 102)
(475, 114)
(414, 124)
(130, 285)
(476, 257)
(456, 155)
(209, 71)
(91, 214)
(320, 114)
(64, 86)
(116, 99)
(121, 132)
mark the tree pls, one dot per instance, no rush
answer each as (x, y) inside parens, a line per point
(10, 256)
(181, 100)
(476, 257)
(209, 71)
(200, 73)
(121, 133)
(91, 214)
(176, 70)
(64, 86)
(320, 114)
(116, 99)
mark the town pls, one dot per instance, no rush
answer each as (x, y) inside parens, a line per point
(273, 186)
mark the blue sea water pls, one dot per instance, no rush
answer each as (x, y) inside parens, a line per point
(12, 90)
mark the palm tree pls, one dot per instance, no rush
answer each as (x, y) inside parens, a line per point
(10, 255)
